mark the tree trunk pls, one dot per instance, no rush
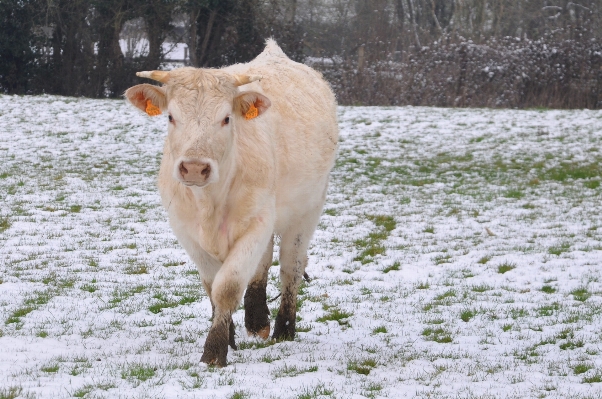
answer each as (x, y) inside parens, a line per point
(206, 37)
(193, 36)
(412, 10)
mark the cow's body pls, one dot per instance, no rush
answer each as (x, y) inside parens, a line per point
(228, 189)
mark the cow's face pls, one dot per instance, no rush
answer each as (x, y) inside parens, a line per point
(205, 111)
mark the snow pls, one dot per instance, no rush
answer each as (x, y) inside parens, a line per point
(98, 300)
(136, 48)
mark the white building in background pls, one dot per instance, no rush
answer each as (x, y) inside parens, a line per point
(175, 53)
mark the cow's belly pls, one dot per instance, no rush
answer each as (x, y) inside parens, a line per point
(298, 201)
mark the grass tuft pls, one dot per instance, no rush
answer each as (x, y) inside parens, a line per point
(139, 371)
(506, 267)
(596, 378)
(335, 314)
(4, 224)
(10, 392)
(363, 367)
(438, 335)
(467, 314)
(581, 294)
(380, 330)
(582, 368)
(394, 267)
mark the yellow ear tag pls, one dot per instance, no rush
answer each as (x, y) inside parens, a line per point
(152, 109)
(253, 112)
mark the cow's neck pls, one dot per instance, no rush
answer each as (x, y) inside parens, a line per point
(217, 194)
(217, 205)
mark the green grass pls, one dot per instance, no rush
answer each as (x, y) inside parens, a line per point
(483, 260)
(582, 368)
(372, 245)
(362, 367)
(548, 289)
(481, 288)
(139, 371)
(293, 370)
(11, 392)
(51, 368)
(316, 392)
(4, 224)
(256, 344)
(467, 314)
(394, 267)
(581, 294)
(559, 249)
(380, 330)
(134, 267)
(574, 171)
(592, 184)
(506, 267)
(239, 395)
(445, 295)
(438, 335)
(15, 316)
(594, 379)
(514, 193)
(335, 314)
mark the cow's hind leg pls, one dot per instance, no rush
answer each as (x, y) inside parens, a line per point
(257, 314)
(293, 261)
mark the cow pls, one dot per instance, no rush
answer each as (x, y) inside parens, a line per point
(247, 157)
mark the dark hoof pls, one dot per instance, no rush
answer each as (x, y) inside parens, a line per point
(215, 351)
(284, 330)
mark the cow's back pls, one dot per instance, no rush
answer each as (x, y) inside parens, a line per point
(303, 124)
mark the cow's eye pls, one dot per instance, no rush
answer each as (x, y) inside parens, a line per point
(226, 121)
(170, 119)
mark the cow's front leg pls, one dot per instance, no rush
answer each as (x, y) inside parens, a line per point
(231, 339)
(257, 314)
(228, 286)
(220, 335)
(215, 351)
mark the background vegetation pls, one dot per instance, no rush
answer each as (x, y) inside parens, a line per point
(496, 53)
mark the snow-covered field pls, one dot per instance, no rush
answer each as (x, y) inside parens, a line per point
(459, 256)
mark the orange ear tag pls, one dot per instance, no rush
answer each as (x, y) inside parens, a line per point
(152, 109)
(253, 112)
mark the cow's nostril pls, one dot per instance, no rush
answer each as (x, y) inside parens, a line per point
(183, 170)
(205, 172)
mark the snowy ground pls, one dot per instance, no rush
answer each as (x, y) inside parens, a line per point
(459, 256)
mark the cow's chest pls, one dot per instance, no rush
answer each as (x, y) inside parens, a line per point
(215, 236)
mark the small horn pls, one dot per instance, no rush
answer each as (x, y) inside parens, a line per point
(160, 76)
(245, 79)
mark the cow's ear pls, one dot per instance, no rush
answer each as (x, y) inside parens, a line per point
(251, 104)
(150, 99)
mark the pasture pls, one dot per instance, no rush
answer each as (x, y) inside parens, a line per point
(459, 256)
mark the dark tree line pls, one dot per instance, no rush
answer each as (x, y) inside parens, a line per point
(71, 47)
(501, 53)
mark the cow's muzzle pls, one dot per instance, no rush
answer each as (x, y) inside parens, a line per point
(196, 171)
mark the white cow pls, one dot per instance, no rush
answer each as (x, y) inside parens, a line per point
(248, 153)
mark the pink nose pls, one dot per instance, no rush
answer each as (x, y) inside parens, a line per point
(194, 172)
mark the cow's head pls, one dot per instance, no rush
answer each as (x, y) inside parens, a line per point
(205, 111)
